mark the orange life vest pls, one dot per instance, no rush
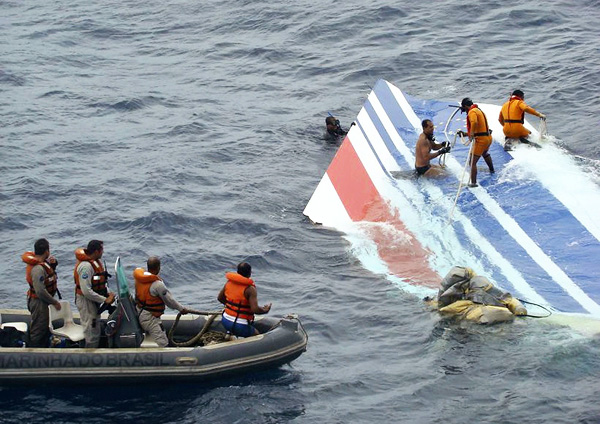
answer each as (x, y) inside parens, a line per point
(50, 280)
(143, 299)
(482, 130)
(236, 303)
(99, 277)
(511, 111)
(513, 117)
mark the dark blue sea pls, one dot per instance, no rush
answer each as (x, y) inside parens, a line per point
(195, 131)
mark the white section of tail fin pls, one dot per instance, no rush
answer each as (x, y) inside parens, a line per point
(325, 206)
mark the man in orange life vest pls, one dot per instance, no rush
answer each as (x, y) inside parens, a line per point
(480, 135)
(241, 302)
(91, 290)
(151, 296)
(41, 276)
(512, 118)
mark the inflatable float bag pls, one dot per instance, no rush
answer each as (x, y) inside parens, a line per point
(457, 308)
(515, 306)
(454, 285)
(485, 314)
(456, 275)
(480, 314)
(481, 290)
(449, 296)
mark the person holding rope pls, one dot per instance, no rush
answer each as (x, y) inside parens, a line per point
(240, 298)
(512, 118)
(423, 155)
(151, 298)
(479, 134)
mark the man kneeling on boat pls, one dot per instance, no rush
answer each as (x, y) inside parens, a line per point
(151, 297)
(240, 298)
(423, 155)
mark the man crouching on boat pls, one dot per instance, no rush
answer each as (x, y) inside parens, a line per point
(241, 302)
(151, 297)
(423, 155)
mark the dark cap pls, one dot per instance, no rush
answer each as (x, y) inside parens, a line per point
(466, 103)
(518, 93)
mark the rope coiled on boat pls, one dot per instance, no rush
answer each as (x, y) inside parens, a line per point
(194, 340)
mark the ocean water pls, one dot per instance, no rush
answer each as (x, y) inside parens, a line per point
(194, 131)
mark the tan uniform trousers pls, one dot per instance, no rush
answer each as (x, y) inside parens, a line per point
(90, 320)
(153, 326)
(39, 333)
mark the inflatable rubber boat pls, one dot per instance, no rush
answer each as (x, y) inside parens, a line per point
(281, 341)
(203, 350)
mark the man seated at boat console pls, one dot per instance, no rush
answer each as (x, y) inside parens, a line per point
(240, 298)
(423, 153)
(151, 297)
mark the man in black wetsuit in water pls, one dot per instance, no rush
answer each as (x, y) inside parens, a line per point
(333, 127)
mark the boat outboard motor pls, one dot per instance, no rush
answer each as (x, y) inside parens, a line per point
(123, 328)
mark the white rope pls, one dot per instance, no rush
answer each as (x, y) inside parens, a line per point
(462, 178)
(448, 124)
(543, 130)
(442, 159)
